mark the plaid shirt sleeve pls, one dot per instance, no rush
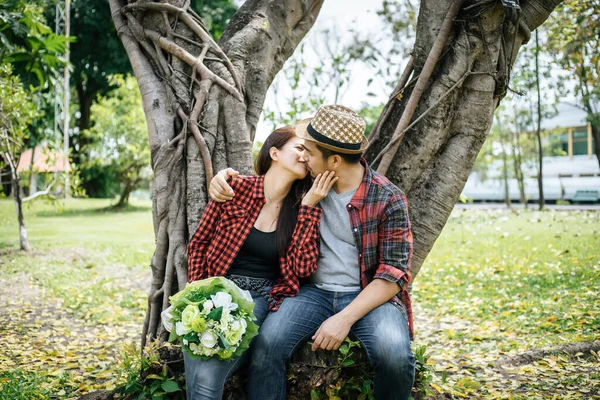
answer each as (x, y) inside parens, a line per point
(303, 250)
(198, 245)
(395, 242)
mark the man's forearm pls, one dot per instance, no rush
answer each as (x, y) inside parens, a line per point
(372, 296)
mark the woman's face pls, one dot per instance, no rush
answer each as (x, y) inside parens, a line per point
(291, 157)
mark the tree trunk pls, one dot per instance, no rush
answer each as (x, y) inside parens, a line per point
(504, 168)
(540, 151)
(189, 85)
(596, 136)
(437, 154)
(85, 98)
(16, 191)
(124, 198)
(517, 162)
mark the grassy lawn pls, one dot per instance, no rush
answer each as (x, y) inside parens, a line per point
(495, 285)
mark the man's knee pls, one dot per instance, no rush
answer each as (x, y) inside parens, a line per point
(393, 356)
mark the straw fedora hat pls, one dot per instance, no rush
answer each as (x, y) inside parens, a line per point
(335, 128)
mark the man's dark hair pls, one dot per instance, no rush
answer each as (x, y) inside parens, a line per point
(349, 158)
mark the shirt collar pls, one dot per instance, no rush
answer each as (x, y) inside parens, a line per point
(258, 192)
(358, 200)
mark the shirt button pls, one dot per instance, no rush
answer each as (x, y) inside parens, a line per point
(355, 230)
(349, 205)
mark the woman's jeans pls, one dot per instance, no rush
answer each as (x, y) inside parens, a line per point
(382, 333)
(206, 378)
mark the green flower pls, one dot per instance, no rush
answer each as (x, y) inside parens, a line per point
(225, 354)
(189, 314)
(198, 324)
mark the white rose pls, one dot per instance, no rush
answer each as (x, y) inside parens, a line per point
(208, 339)
(221, 299)
(207, 306)
(181, 329)
(236, 325)
(226, 316)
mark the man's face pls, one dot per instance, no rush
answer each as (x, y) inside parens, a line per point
(314, 159)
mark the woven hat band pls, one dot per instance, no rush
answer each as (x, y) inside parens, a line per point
(324, 139)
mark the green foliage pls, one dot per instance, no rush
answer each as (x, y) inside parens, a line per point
(19, 384)
(215, 14)
(145, 377)
(574, 42)
(119, 138)
(423, 371)
(353, 381)
(17, 110)
(28, 43)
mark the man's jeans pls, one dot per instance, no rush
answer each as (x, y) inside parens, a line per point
(205, 379)
(383, 334)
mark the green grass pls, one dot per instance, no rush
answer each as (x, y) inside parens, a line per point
(78, 222)
(495, 285)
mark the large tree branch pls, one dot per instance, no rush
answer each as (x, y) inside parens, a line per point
(261, 36)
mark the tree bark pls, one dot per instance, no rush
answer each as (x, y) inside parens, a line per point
(540, 151)
(16, 191)
(596, 136)
(202, 102)
(436, 155)
(202, 105)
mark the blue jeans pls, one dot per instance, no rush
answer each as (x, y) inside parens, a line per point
(205, 379)
(382, 333)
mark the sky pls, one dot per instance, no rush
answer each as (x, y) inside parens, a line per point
(342, 13)
(361, 15)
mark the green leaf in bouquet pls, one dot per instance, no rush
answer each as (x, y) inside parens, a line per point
(192, 337)
(173, 336)
(215, 314)
(223, 342)
(251, 332)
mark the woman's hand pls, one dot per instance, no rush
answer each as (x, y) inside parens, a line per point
(320, 188)
(219, 190)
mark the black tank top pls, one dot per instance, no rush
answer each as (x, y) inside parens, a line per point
(258, 257)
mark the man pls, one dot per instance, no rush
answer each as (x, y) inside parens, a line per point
(359, 288)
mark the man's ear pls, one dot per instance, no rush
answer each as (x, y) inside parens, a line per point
(336, 161)
(273, 152)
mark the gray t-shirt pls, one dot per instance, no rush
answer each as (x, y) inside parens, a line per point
(338, 269)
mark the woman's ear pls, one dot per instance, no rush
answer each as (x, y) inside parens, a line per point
(274, 153)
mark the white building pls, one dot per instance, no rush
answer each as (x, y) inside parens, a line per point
(563, 176)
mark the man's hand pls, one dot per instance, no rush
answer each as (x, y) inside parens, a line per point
(320, 188)
(219, 190)
(331, 333)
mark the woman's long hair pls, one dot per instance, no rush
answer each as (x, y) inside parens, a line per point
(288, 215)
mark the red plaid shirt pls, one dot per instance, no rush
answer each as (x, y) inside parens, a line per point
(381, 228)
(224, 227)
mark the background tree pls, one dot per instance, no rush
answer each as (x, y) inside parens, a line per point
(191, 85)
(575, 44)
(96, 56)
(16, 112)
(119, 142)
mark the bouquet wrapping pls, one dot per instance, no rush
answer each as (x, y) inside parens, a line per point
(212, 318)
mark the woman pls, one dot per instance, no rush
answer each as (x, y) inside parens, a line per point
(264, 240)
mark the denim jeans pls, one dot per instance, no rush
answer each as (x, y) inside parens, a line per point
(382, 333)
(205, 379)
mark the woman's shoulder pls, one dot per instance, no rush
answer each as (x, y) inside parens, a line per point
(242, 182)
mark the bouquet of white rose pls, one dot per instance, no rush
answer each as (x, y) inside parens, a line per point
(212, 317)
